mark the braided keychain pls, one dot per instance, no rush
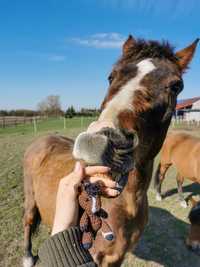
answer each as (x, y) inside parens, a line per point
(119, 157)
(94, 217)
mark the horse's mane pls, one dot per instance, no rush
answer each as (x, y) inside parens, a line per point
(149, 49)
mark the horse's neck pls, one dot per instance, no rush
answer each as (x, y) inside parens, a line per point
(150, 142)
(136, 188)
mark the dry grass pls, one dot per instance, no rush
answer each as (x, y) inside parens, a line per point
(161, 245)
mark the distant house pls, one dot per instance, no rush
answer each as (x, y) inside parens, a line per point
(189, 109)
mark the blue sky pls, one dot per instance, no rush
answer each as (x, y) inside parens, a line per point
(68, 47)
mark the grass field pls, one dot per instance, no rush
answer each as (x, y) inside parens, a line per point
(163, 241)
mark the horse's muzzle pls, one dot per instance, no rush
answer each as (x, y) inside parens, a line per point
(109, 147)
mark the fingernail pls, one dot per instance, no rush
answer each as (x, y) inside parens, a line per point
(119, 186)
(77, 166)
(118, 193)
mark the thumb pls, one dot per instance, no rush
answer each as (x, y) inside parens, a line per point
(78, 171)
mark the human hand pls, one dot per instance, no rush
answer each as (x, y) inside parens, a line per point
(67, 207)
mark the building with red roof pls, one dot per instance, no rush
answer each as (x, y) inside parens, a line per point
(187, 103)
(188, 109)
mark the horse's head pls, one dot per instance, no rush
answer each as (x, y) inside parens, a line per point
(89, 199)
(193, 239)
(148, 77)
(144, 85)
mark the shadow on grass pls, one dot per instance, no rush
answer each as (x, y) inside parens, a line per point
(193, 188)
(163, 241)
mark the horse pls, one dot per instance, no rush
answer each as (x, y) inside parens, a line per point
(143, 88)
(193, 238)
(182, 151)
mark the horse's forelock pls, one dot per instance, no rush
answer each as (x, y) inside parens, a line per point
(143, 49)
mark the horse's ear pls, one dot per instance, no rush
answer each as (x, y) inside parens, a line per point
(129, 43)
(185, 55)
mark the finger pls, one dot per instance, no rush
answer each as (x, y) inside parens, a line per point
(91, 170)
(109, 192)
(106, 182)
(76, 175)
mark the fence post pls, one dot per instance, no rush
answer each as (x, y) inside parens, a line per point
(35, 125)
(64, 123)
(3, 122)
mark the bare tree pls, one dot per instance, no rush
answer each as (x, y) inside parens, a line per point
(42, 107)
(50, 106)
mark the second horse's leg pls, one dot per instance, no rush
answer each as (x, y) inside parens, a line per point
(180, 180)
(158, 179)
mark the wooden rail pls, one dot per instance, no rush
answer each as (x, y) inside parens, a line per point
(8, 121)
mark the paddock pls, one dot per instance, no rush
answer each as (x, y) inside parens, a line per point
(162, 243)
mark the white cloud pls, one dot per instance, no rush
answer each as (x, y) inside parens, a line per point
(101, 40)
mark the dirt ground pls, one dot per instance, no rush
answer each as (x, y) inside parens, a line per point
(162, 244)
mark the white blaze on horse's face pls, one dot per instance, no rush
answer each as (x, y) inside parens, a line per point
(94, 203)
(124, 98)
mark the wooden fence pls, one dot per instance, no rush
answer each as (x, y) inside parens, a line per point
(8, 121)
(181, 122)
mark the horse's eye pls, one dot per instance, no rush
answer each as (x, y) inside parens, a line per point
(176, 86)
(110, 78)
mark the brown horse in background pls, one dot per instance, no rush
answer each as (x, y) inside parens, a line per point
(142, 94)
(182, 151)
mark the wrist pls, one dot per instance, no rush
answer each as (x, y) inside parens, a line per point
(66, 215)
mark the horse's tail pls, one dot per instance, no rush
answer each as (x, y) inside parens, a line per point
(157, 176)
(31, 220)
(31, 212)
